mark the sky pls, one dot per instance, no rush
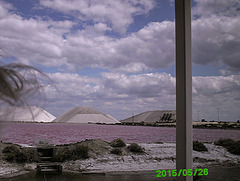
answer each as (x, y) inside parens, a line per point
(119, 56)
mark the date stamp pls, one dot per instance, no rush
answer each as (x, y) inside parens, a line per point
(182, 172)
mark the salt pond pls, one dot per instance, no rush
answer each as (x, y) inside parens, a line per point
(25, 133)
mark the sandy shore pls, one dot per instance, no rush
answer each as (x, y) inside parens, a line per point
(156, 157)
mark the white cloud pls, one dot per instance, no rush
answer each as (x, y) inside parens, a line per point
(215, 30)
(118, 13)
(219, 7)
(41, 42)
(153, 45)
(121, 94)
(141, 85)
(216, 84)
(139, 50)
(116, 94)
(214, 92)
(133, 68)
(75, 84)
(215, 41)
(4, 8)
(33, 40)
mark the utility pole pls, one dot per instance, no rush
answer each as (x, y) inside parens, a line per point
(183, 87)
(218, 113)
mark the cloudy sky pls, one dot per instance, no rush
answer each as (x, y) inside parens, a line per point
(119, 56)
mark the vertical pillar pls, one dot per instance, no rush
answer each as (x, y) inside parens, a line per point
(183, 87)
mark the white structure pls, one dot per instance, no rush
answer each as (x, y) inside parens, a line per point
(183, 87)
(26, 114)
(85, 115)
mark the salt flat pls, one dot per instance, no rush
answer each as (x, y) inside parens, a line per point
(156, 157)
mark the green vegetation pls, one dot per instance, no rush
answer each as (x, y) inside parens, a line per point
(117, 143)
(158, 142)
(116, 151)
(231, 145)
(81, 151)
(63, 155)
(224, 142)
(151, 124)
(199, 146)
(10, 153)
(74, 153)
(134, 147)
(14, 153)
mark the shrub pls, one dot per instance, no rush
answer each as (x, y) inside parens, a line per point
(134, 147)
(142, 123)
(81, 151)
(149, 124)
(11, 152)
(21, 157)
(66, 154)
(63, 155)
(57, 158)
(32, 154)
(10, 157)
(224, 142)
(73, 153)
(234, 148)
(117, 143)
(199, 146)
(158, 142)
(231, 145)
(116, 151)
(11, 149)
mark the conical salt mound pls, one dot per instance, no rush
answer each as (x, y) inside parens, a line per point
(85, 115)
(26, 114)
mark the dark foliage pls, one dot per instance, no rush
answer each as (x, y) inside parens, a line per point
(13, 153)
(117, 143)
(21, 157)
(11, 149)
(224, 142)
(199, 146)
(63, 155)
(158, 142)
(81, 151)
(72, 153)
(32, 154)
(116, 151)
(10, 153)
(134, 147)
(231, 145)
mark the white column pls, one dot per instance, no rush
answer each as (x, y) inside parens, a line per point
(183, 86)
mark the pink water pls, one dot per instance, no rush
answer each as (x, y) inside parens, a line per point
(25, 133)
